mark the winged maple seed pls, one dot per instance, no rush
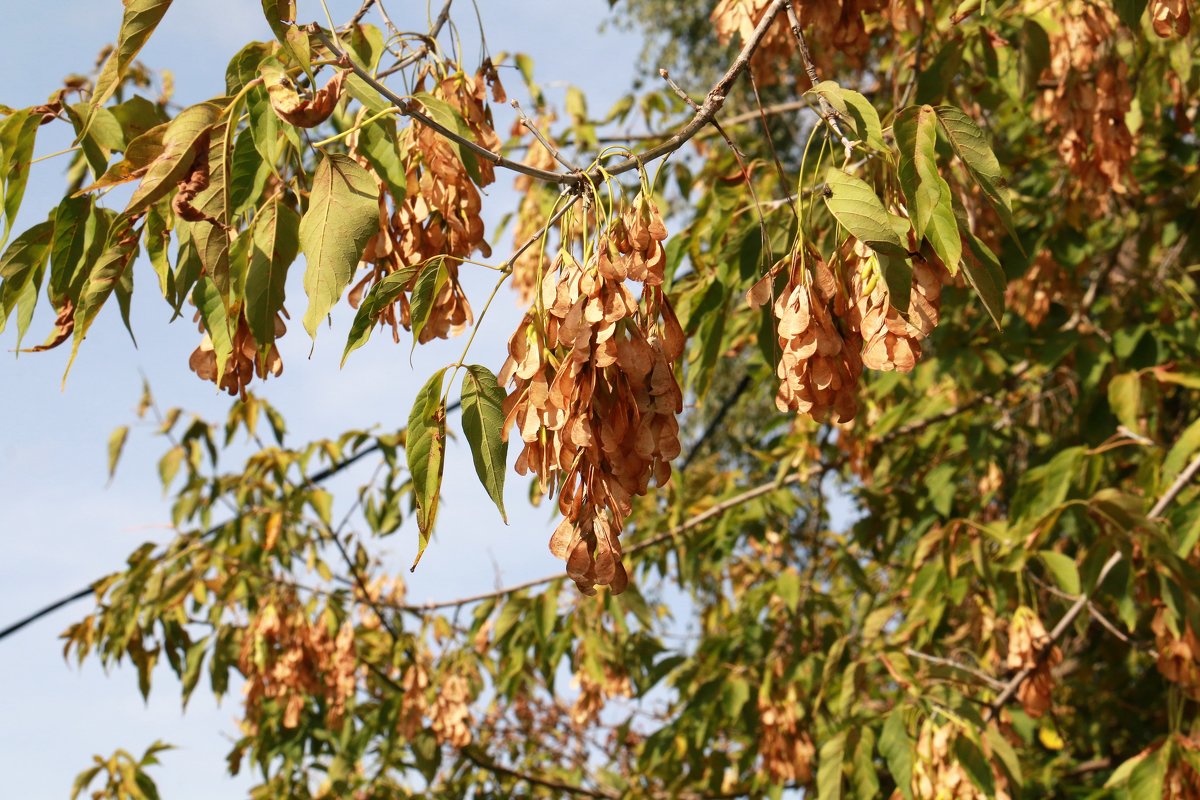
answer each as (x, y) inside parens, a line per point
(786, 748)
(290, 108)
(1030, 648)
(937, 773)
(536, 199)
(246, 359)
(594, 692)
(1170, 17)
(890, 341)
(439, 214)
(1089, 96)
(594, 391)
(288, 658)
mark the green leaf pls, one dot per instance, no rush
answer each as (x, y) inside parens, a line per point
(1043, 489)
(276, 245)
(216, 322)
(829, 767)
(1001, 748)
(1148, 776)
(430, 280)
(856, 109)
(120, 250)
(928, 194)
(483, 423)
(425, 447)
(140, 154)
(378, 144)
(180, 142)
(140, 20)
(856, 206)
(866, 778)
(342, 215)
(1180, 454)
(17, 136)
(896, 747)
(983, 271)
(168, 466)
(1064, 570)
(75, 230)
(116, 444)
(972, 147)
(978, 769)
(381, 295)
(22, 269)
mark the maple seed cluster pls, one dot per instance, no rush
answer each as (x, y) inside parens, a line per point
(594, 394)
(830, 328)
(438, 214)
(1178, 654)
(288, 659)
(937, 772)
(245, 361)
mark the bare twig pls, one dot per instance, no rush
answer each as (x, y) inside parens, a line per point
(957, 665)
(480, 760)
(1081, 602)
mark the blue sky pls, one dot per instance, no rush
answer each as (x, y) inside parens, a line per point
(61, 527)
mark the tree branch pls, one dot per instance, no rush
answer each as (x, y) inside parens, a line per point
(827, 112)
(482, 761)
(1081, 602)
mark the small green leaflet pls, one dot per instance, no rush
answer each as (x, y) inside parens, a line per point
(432, 278)
(17, 136)
(483, 423)
(928, 194)
(897, 750)
(120, 250)
(276, 244)
(342, 215)
(857, 110)
(1063, 568)
(983, 270)
(116, 443)
(382, 295)
(141, 18)
(425, 447)
(972, 147)
(829, 767)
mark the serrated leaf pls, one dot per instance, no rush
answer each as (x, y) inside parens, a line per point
(381, 295)
(73, 220)
(180, 143)
(1064, 570)
(896, 747)
(430, 280)
(483, 424)
(973, 149)
(425, 448)
(929, 199)
(855, 205)
(116, 444)
(829, 767)
(140, 19)
(276, 244)
(342, 215)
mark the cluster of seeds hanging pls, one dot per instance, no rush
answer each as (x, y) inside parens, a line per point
(594, 395)
(245, 362)
(938, 774)
(439, 214)
(1178, 653)
(1030, 648)
(288, 658)
(832, 324)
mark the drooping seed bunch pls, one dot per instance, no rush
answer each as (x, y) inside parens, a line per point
(535, 206)
(938, 773)
(1178, 653)
(439, 213)
(1090, 93)
(786, 749)
(833, 324)
(288, 658)
(246, 360)
(594, 394)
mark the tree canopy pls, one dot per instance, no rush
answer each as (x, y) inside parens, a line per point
(931, 257)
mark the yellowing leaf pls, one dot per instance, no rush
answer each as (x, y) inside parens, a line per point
(116, 444)
(929, 199)
(343, 213)
(181, 141)
(972, 147)
(429, 285)
(382, 295)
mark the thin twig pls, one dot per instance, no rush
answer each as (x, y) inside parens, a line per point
(1081, 602)
(551, 149)
(482, 761)
(827, 112)
(958, 665)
